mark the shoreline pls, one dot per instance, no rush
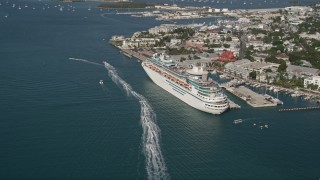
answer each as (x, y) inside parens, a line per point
(302, 92)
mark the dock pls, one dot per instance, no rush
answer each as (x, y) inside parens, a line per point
(250, 97)
(233, 105)
(299, 109)
(129, 53)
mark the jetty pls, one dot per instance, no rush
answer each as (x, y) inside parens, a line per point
(299, 109)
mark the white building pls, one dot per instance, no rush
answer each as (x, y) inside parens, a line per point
(165, 28)
(174, 41)
(315, 80)
(236, 69)
(217, 10)
(242, 68)
(225, 10)
(297, 9)
(139, 42)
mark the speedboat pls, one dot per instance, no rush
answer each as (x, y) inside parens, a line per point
(237, 121)
(101, 82)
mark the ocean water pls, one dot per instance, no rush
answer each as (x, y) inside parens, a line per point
(57, 121)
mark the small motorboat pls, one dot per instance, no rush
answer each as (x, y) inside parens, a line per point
(237, 121)
(101, 82)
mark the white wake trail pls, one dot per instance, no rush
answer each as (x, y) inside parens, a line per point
(155, 164)
(86, 61)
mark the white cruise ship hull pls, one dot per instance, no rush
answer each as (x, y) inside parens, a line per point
(180, 92)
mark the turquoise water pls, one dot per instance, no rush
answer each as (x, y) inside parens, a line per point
(57, 121)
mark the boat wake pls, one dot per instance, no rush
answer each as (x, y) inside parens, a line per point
(155, 164)
(86, 61)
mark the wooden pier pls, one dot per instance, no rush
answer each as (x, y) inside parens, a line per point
(299, 109)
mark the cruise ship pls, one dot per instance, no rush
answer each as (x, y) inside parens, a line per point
(192, 86)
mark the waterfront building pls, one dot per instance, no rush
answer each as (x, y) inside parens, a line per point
(243, 67)
(139, 42)
(260, 66)
(163, 28)
(315, 80)
(266, 77)
(231, 68)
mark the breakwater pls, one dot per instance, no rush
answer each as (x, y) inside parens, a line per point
(299, 109)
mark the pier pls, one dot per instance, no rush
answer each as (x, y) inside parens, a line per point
(233, 105)
(129, 53)
(252, 98)
(299, 109)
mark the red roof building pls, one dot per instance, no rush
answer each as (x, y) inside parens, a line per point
(227, 56)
